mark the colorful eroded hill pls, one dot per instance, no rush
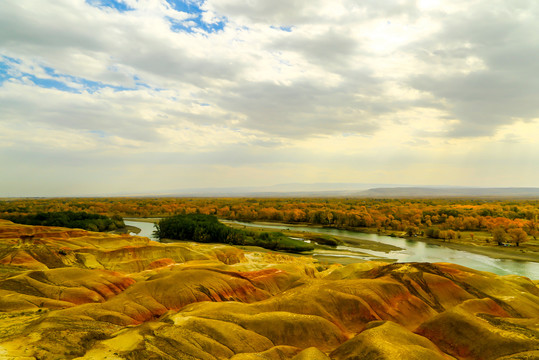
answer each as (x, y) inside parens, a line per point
(74, 294)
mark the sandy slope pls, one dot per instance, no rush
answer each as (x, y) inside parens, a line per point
(79, 295)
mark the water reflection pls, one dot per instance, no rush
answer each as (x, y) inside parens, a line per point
(411, 243)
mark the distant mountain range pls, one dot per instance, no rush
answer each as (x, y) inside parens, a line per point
(386, 192)
(353, 190)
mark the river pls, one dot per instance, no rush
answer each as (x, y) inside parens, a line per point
(413, 251)
(146, 228)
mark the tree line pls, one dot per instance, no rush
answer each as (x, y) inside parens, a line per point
(436, 218)
(207, 228)
(69, 219)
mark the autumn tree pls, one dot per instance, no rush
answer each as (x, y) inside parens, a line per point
(412, 230)
(499, 235)
(518, 236)
(532, 227)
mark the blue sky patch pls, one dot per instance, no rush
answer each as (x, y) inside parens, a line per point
(118, 5)
(49, 83)
(56, 81)
(99, 133)
(283, 28)
(6, 63)
(3, 72)
(10, 59)
(86, 85)
(50, 71)
(195, 21)
(184, 6)
(187, 25)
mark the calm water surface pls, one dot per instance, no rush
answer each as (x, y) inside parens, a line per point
(416, 251)
(146, 228)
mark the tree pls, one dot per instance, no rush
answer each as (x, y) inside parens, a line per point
(412, 230)
(499, 235)
(433, 232)
(532, 227)
(206, 228)
(518, 236)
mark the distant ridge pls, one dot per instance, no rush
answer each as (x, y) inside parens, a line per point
(353, 190)
(289, 189)
(386, 192)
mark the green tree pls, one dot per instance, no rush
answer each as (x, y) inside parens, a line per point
(206, 228)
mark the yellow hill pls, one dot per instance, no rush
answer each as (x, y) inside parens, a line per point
(73, 294)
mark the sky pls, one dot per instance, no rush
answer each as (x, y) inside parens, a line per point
(148, 96)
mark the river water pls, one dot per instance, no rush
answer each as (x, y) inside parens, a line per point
(146, 228)
(413, 251)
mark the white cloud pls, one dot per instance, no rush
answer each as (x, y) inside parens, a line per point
(280, 83)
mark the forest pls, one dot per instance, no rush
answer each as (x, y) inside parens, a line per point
(70, 219)
(499, 221)
(207, 228)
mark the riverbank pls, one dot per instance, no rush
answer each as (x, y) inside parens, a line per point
(359, 243)
(323, 253)
(526, 252)
(496, 252)
(146, 220)
(478, 243)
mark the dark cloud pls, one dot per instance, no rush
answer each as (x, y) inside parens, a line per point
(302, 110)
(505, 88)
(333, 47)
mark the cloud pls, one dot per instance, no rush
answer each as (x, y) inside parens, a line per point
(482, 64)
(305, 12)
(196, 83)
